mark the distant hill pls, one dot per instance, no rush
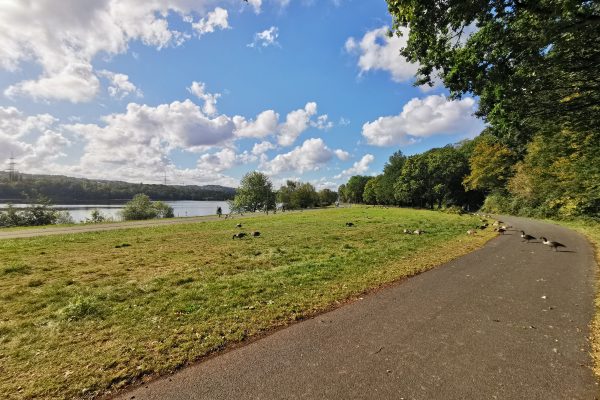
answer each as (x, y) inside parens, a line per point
(64, 189)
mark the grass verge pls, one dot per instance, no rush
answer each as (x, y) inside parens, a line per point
(88, 313)
(591, 230)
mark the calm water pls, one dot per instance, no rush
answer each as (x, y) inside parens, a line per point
(181, 208)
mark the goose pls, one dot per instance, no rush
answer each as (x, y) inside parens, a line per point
(408, 232)
(239, 225)
(349, 224)
(500, 230)
(527, 237)
(553, 245)
(256, 233)
(419, 232)
(239, 235)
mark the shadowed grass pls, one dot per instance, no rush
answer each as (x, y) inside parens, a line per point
(88, 316)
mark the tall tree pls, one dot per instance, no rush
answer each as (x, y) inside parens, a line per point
(531, 62)
(355, 188)
(255, 193)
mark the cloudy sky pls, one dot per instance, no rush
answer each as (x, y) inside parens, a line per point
(205, 90)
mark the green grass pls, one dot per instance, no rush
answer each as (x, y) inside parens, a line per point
(592, 231)
(80, 315)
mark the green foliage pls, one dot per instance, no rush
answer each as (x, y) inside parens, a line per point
(327, 197)
(355, 188)
(384, 190)
(294, 195)
(343, 196)
(531, 63)
(255, 193)
(36, 214)
(141, 208)
(370, 192)
(491, 165)
(96, 217)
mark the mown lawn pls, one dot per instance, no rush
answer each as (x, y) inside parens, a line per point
(82, 314)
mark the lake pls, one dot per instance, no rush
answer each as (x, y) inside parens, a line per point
(183, 208)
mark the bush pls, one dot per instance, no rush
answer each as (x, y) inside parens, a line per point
(40, 213)
(142, 208)
(96, 217)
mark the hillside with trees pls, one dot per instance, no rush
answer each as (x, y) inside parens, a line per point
(63, 189)
(534, 67)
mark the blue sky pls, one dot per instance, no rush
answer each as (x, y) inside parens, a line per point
(206, 91)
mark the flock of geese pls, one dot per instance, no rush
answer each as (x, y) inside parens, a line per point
(526, 237)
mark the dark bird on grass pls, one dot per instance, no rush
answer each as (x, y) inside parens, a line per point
(239, 225)
(256, 233)
(239, 235)
(553, 245)
(349, 224)
(526, 237)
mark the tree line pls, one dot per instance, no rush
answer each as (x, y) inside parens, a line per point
(63, 189)
(534, 68)
(256, 193)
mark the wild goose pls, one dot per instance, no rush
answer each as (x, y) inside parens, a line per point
(256, 233)
(239, 225)
(526, 237)
(349, 224)
(239, 235)
(553, 245)
(500, 230)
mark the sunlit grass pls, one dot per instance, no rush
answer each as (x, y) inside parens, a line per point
(80, 314)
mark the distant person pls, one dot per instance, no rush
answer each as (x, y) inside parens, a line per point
(219, 212)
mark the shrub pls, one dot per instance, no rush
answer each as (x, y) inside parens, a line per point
(142, 208)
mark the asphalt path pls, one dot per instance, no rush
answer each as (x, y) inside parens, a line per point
(508, 321)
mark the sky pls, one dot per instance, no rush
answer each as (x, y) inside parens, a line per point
(204, 91)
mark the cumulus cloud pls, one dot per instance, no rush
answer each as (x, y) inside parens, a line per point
(359, 167)
(213, 20)
(198, 89)
(266, 38)
(29, 34)
(311, 155)
(223, 160)
(433, 115)
(295, 123)
(120, 86)
(262, 147)
(34, 140)
(264, 125)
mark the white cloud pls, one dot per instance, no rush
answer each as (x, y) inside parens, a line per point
(34, 141)
(433, 115)
(256, 4)
(266, 38)
(214, 19)
(223, 160)
(342, 155)
(262, 147)
(344, 121)
(120, 86)
(198, 89)
(265, 124)
(64, 37)
(296, 122)
(310, 156)
(322, 123)
(359, 167)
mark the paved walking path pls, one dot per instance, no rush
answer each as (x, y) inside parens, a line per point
(508, 321)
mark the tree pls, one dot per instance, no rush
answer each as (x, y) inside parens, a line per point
(370, 192)
(140, 208)
(285, 195)
(491, 166)
(255, 193)
(531, 63)
(327, 197)
(384, 190)
(355, 188)
(342, 194)
(306, 196)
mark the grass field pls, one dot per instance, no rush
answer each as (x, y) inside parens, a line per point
(84, 314)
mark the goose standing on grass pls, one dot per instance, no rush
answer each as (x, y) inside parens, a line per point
(526, 237)
(553, 245)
